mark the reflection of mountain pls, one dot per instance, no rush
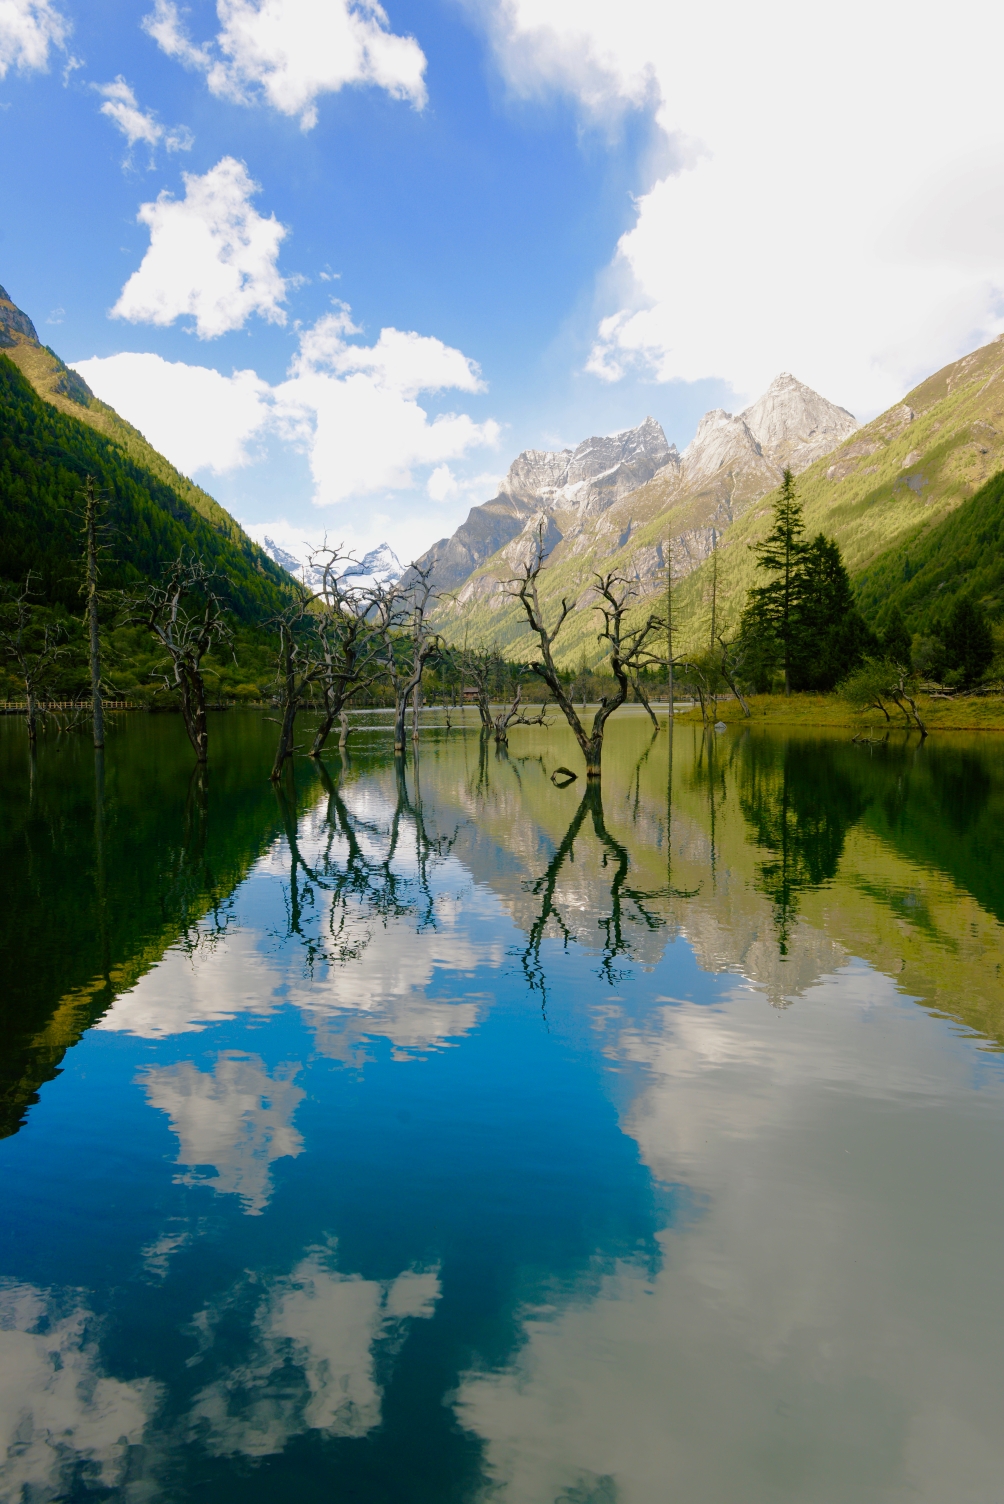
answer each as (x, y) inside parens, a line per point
(788, 855)
(61, 1418)
(310, 1362)
(95, 889)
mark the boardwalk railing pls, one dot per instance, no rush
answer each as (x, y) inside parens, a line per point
(20, 707)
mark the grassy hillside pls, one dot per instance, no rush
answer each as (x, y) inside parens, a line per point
(44, 456)
(880, 494)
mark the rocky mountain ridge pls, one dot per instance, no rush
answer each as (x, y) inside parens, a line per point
(591, 502)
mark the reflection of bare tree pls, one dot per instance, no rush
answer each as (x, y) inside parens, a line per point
(362, 866)
(628, 904)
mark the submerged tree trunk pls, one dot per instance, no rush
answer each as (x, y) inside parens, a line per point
(284, 749)
(193, 711)
(90, 521)
(30, 715)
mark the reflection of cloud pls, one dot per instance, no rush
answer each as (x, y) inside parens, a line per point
(805, 1336)
(238, 1120)
(321, 1325)
(187, 990)
(57, 1410)
(378, 992)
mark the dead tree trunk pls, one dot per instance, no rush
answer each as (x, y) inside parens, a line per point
(94, 633)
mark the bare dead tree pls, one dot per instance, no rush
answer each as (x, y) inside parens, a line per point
(300, 669)
(92, 503)
(399, 614)
(349, 646)
(629, 648)
(479, 664)
(733, 653)
(515, 715)
(35, 648)
(185, 614)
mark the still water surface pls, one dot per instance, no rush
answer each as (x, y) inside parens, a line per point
(433, 1134)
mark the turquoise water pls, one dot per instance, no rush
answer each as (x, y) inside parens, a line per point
(427, 1133)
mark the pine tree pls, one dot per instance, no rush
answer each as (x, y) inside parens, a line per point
(829, 637)
(897, 644)
(780, 552)
(969, 640)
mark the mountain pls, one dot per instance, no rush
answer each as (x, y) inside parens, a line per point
(53, 432)
(381, 566)
(577, 484)
(621, 518)
(906, 497)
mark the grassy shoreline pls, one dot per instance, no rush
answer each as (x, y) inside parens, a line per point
(962, 713)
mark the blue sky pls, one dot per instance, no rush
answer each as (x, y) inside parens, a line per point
(566, 216)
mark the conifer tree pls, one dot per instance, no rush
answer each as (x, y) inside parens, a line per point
(897, 644)
(969, 640)
(780, 552)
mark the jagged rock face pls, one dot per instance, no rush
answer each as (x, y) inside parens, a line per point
(575, 484)
(13, 323)
(598, 472)
(794, 425)
(721, 442)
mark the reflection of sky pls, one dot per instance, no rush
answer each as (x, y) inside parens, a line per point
(384, 987)
(57, 1408)
(663, 1241)
(811, 1334)
(309, 1364)
(236, 1118)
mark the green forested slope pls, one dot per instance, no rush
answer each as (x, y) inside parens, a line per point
(45, 455)
(962, 552)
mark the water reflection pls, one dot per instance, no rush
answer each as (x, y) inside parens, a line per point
(64, 1424)
(236, 1119)
(310, 1363)
(341, 1214)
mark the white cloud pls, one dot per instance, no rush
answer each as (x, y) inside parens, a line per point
(442, 484)
(199, 419)
(809, 225)
(28, 28)
(211, 255)
(352, 407)
(238, 1119)
(290, 52)
(123, 110)
(58, 1411)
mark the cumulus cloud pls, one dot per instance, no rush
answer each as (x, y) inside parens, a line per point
(28, 28)
(198, 418)
(211, 256)
(352, 407)
(122, 109)
(805, 225)
(290, 52)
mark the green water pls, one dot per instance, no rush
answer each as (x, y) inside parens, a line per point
(429, 1133)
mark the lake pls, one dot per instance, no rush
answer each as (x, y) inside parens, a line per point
(404, 1135)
